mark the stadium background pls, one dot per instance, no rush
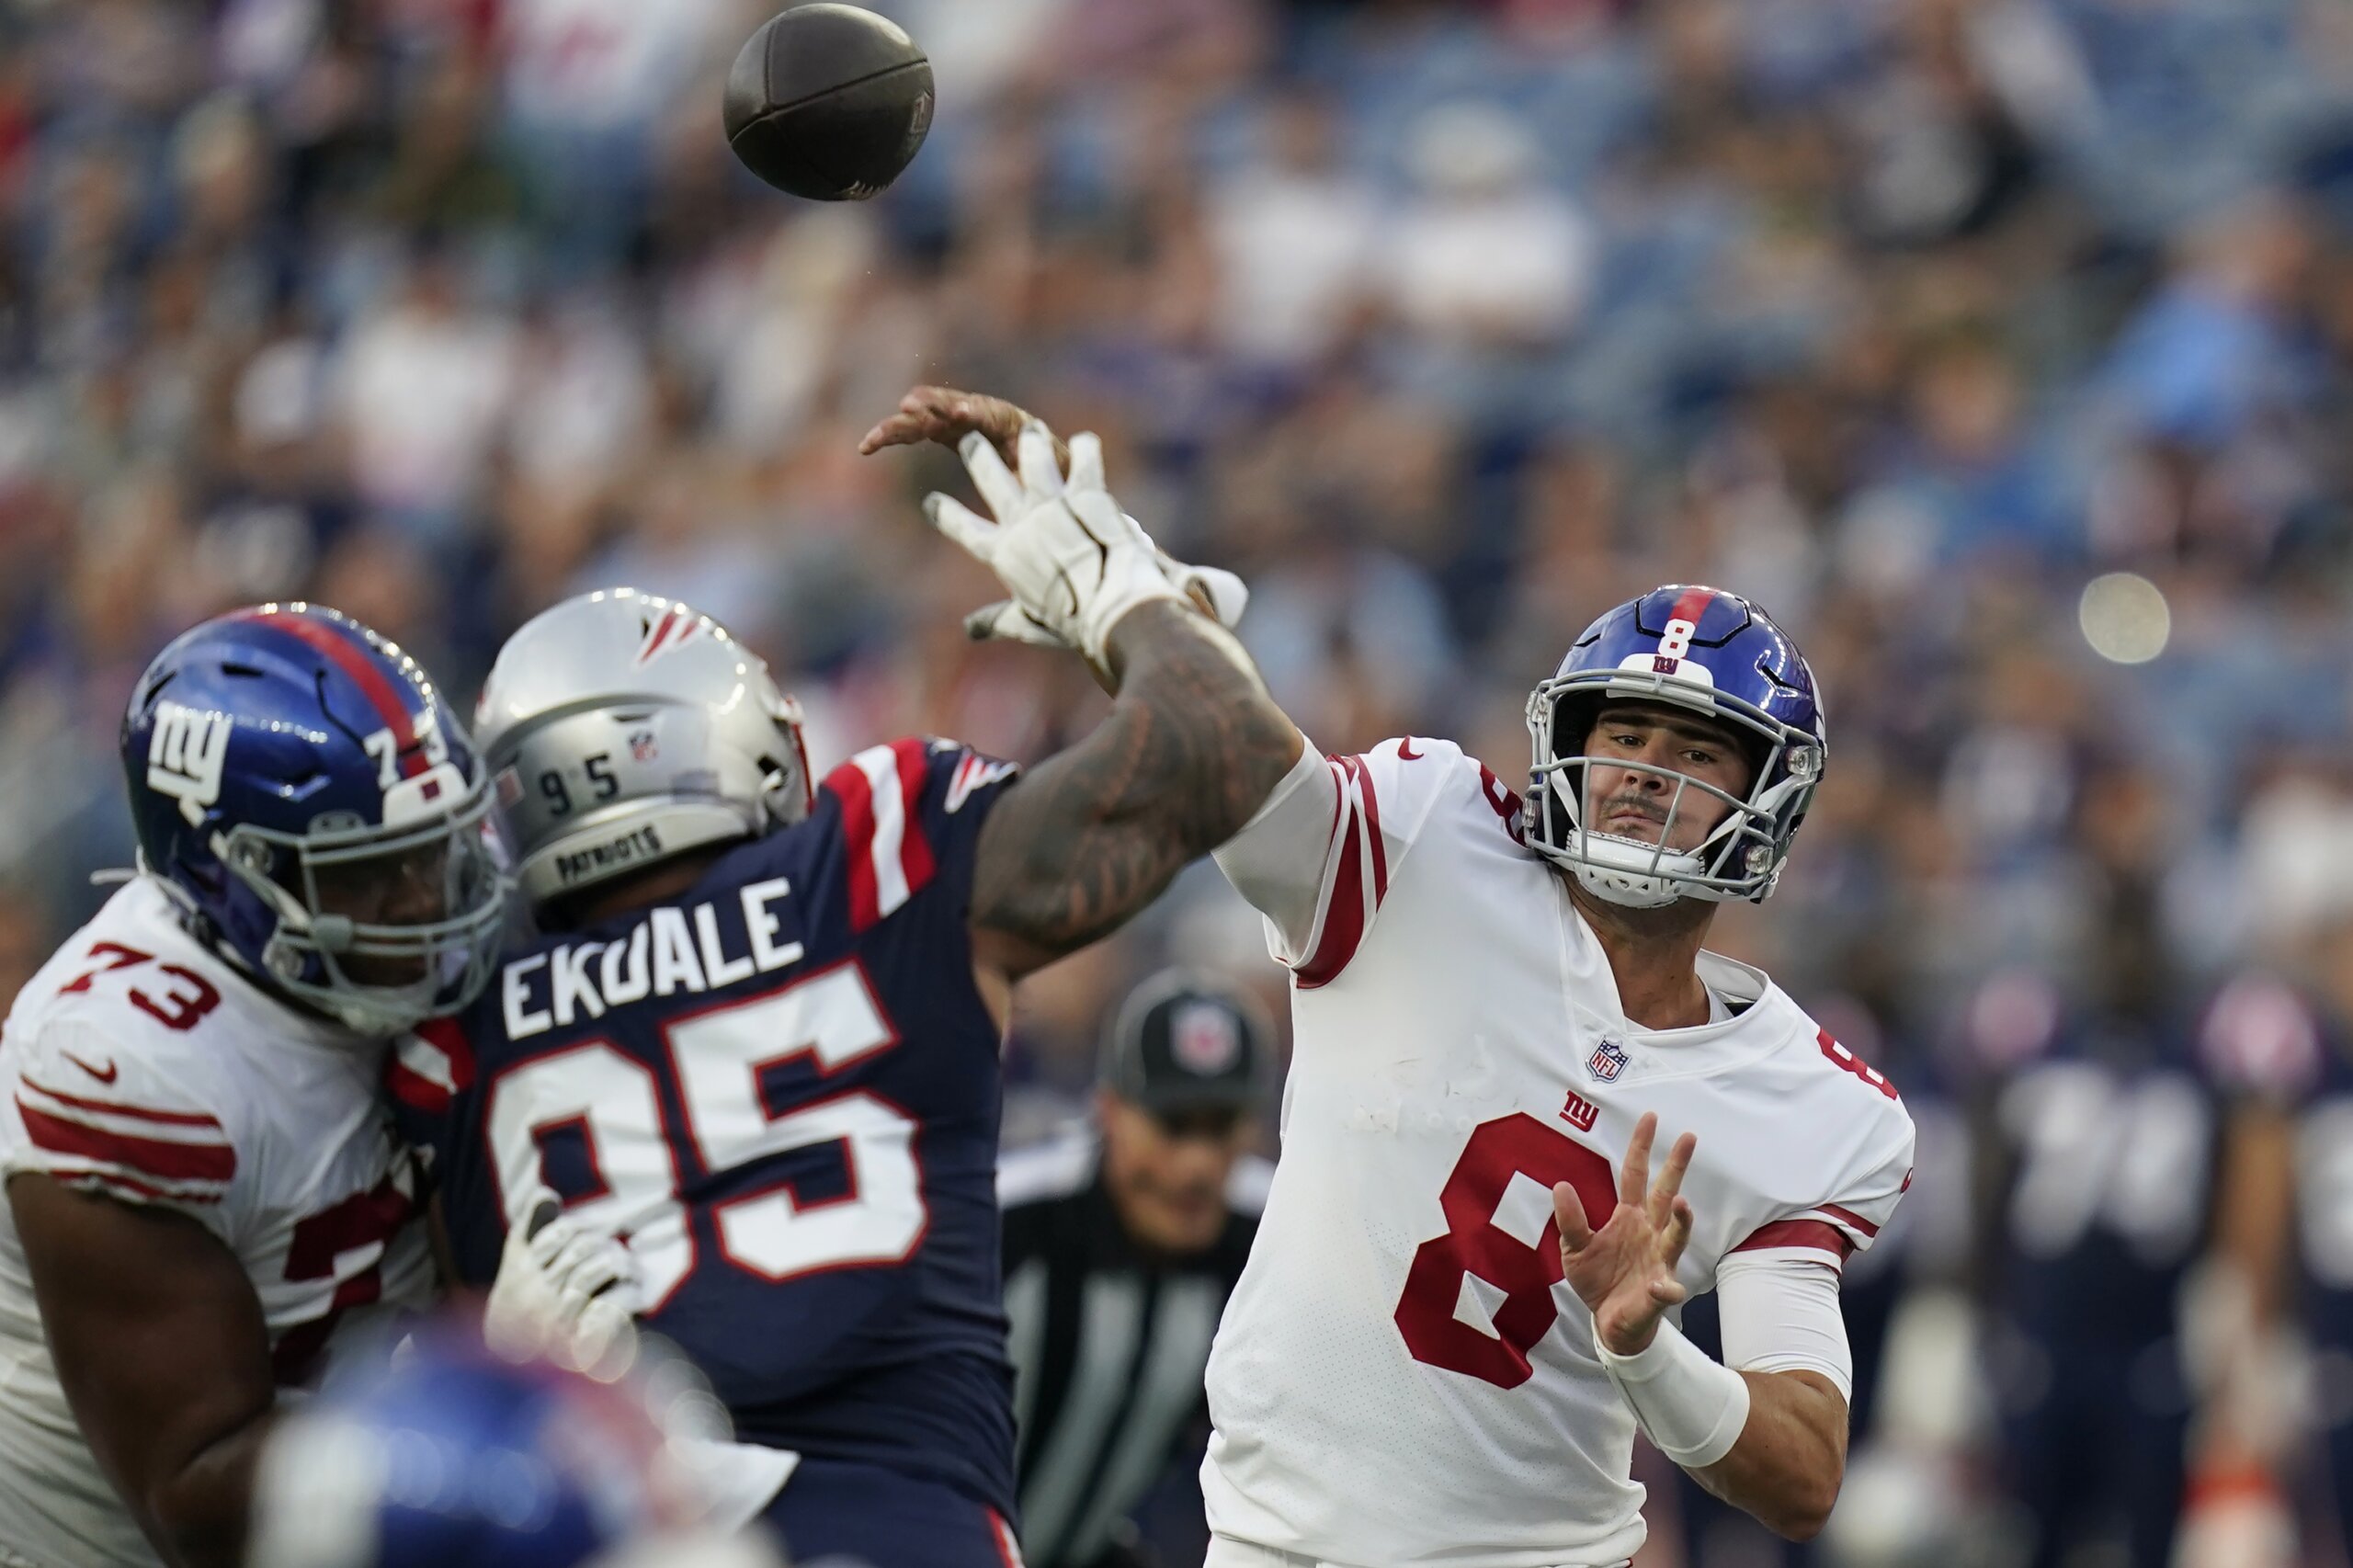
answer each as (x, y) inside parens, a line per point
(1448, 326)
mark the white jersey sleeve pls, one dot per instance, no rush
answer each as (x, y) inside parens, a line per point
(1320, 855)
(1861, 1190)
(137, 1125)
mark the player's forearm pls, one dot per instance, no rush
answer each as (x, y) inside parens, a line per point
(199, 1512)
(1786, 1465)
(1191, 749)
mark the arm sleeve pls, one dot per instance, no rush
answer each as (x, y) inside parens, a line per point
(1323, 851)
(1278, 861)
(137, 1133)
(1781, 1314)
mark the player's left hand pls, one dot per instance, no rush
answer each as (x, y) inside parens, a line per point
(947, 415)
(564, 1293)
(1624, 1272)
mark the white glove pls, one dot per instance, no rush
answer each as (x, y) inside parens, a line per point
(564, 1293)
(1075, 562)
(1228, 596)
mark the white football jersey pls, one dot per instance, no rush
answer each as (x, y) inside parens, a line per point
(139, 1064)
(1401, 1375)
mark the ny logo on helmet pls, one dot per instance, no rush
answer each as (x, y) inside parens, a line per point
(186, 757)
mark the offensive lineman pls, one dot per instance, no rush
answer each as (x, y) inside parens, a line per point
(758, 1039)
(205, 1204)
(1490, 997)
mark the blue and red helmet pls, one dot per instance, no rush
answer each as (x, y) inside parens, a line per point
(454, 1457)
(299, 786)
(1719, 656)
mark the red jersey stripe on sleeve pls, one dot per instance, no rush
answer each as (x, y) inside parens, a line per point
(137, 1191)
(1359, 883)
(889, 858)
(1362, 777)
(1811, 1233)
(1847, 1217)
(135, 1112)
(848, 785)
(155, 1159)
(431, 1066)
(915, 862)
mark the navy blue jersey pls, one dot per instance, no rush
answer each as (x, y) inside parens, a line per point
(781, 1089)
(2110, 1134)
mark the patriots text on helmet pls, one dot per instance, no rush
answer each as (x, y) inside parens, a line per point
(580, 865)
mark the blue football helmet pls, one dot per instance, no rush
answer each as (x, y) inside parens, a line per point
(457, 1457)
(1716, 653)
(299, 786)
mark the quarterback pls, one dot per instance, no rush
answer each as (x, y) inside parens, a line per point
(1460, 1304)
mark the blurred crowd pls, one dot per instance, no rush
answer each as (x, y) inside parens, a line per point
(2002, 349)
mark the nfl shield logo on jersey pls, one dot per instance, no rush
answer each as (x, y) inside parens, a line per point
(1608, 1060)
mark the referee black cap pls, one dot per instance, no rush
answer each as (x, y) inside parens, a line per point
(1182, 1042)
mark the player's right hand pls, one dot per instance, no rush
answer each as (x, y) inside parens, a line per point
(947, 416)
(564, 1293)
(1624, 1272)
(1075, 563)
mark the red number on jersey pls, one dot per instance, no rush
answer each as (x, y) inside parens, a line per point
(107, 955)
(190, 997)
(1499, 1233)
(1847, 1060)
(333, 1239)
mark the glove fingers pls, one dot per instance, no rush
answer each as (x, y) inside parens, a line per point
(1006, 621)
(1229, 595)
(1035, 448)
(1000, 492)
(578, 1248)
(975, 533)
(1087, 461)
(600, 1271)
(549, 1241)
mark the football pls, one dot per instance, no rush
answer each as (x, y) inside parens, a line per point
(828, 101)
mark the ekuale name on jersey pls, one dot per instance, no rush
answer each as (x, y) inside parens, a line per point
(671, 951)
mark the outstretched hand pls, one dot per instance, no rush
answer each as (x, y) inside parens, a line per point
(1624, 1272)
(950, 418)
(947, 415)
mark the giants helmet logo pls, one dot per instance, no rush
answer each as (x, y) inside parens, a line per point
(187, 755)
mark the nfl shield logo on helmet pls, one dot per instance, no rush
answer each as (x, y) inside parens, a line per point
(1608, 1060)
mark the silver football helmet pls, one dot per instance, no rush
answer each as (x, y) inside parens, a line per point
(623, 728)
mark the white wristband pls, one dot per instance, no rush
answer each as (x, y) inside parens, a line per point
(1692, 1408)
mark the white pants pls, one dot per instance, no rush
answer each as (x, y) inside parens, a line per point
(1227, 1553)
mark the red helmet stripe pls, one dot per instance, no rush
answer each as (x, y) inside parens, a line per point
(1691, 604)
(381, 693)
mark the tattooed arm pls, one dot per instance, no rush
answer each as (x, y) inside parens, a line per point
(1192, 747)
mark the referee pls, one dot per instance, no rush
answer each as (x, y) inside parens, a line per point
(1120, 1246)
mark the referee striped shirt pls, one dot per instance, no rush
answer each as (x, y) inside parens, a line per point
(1109, 1344)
